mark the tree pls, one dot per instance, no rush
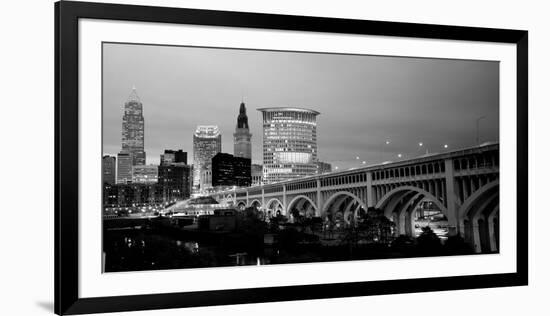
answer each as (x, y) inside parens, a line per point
(428, 242)
(455, 245)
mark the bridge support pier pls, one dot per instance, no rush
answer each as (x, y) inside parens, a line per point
(452, 207)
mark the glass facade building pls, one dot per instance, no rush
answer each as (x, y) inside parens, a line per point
(228, 170)
(289, 143)
(207, 142)
(133, 135)
(124, 167)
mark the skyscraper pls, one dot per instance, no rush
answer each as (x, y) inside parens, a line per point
(207, 142)
(174, 181)
(289, 143)
(133, 129)
(242, 137)
(124, 167)
(228, 170)
(109, 169)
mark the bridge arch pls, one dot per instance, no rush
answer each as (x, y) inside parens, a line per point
(351, 205)
(401, 192)
(241, 205)
(299, 198)
(478, 218)
(274, 205)
(255, 203)
(482, 193)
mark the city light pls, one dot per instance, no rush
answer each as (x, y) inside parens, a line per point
(445, 146)
(399, 155)
(420, 144)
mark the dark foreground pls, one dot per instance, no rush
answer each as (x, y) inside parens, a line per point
(154, 248)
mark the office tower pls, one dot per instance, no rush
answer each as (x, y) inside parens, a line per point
(174, 181)
(242, 146)
(124, 167)
(133, 126)
(289, 143)
(228, 170)
(207, 142)
(109, 169)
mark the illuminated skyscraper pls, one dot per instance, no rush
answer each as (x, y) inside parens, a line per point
(242, 137)
(289, 143)
(133, 129)
(207, 142)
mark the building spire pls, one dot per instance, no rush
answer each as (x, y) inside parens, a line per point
(133, 97)
(242, 119)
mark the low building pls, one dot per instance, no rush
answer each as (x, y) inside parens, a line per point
(257, 175)
(323, 167)
(109, 169)
(173, 156)
(221, 220)
(145, 174)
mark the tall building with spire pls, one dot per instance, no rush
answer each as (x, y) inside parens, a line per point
(242, 138)
(133, 129)
(207, 142)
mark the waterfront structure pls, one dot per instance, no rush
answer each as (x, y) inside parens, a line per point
(256, 174)
(242, 138)
(124, 167)
(174, 180)
(109, 169)
(171, 156)
(133, 129)
(145, 174)
(323, 167)
(289, 143)
(199, 206)
(207, 142)
(463, 185)
(228, 170)
(130, 196)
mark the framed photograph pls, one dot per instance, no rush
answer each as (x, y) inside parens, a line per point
(211, 158)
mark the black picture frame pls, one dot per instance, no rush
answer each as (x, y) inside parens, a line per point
(67, 15)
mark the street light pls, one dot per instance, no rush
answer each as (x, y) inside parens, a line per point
(445, 146)
(399, 155)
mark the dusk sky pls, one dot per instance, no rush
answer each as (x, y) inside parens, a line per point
(363, 100)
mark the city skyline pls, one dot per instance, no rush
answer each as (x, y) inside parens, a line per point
(388, 113)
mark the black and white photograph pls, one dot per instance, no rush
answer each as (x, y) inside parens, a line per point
(223, 157)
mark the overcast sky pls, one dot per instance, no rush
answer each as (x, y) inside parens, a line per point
(363, 100)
